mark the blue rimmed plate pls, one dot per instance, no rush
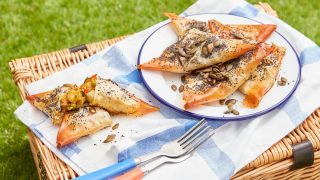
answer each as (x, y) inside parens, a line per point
(159, 83)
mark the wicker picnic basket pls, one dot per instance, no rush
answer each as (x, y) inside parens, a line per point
(275, 163)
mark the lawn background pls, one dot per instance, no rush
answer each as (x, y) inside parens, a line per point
(30, 27)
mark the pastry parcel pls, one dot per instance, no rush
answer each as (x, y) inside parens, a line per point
(196, 50)
(263, 78)
(220, 81)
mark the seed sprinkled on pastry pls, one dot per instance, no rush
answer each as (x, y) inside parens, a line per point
(215, 70)
(92, 110)
(229, 67)
(173, 87)
(181, 88)
(204, 51)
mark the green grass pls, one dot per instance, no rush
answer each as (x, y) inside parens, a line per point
(31, 27)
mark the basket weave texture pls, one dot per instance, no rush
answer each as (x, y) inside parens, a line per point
(275, 163)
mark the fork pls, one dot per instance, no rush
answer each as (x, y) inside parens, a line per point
(176, 148)
(138, 172)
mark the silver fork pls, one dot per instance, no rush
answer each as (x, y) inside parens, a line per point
(139, 172)
(179, 146)
(176, 148)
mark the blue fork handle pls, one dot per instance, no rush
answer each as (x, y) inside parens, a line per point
(111, 171)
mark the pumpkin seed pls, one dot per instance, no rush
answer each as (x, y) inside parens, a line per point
(204, 51)
(109, 138)
(235, 112)
(229, 67)
(173, 87)
(221, 102)
(191, 50)
(282, 81)
(181, 88)
(215, 66)
(208, 80)
(210, 48)
(231, 101)
(182, 53)
(219, 76)
(212, 75)
(222, 68)
(92, 110)
(217, 43)
(238, 35)
(115, 126)
(230, 106)
(205, 70)
(216, 70)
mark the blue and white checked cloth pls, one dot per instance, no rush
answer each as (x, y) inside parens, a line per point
(233, 146)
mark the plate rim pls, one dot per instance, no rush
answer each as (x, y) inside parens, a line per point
(235, 118)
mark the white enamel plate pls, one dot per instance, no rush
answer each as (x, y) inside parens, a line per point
(159, 83)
